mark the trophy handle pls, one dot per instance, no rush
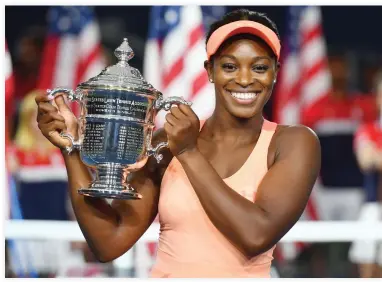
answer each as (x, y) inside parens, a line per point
(73, 96)
(155, 151)
(165, 104)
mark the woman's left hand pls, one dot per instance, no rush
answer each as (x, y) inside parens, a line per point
(182, 128)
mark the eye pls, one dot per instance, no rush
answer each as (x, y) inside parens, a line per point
(260, 68)
(229, 67)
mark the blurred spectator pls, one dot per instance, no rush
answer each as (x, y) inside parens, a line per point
(334, 118)
(40, 171)
(27, 58)
(42, 186)
(28, 55)
(368, 149)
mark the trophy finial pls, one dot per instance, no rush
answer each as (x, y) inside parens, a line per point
(124, 52)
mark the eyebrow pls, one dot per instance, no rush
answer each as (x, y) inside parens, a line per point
(255, 58)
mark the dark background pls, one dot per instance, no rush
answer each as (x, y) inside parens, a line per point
(351, 27)
(352, 31)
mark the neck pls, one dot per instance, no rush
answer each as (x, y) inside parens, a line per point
(223, 126)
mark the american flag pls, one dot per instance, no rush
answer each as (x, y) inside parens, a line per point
(72, 52)
(304, 78)
(9, 80)
(9, 88)
(304, 75)
(175, 54)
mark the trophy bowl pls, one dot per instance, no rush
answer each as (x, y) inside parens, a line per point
(118, 109)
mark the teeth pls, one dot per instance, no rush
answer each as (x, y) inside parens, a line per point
(244, 96)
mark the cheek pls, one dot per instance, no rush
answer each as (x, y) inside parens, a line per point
(266, 79)
(223, 77)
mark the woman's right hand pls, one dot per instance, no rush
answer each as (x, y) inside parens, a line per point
(54, 117)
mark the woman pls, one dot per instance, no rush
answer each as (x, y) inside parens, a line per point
(368, 150)
(228, 189)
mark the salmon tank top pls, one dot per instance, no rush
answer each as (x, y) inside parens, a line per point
(189, 244)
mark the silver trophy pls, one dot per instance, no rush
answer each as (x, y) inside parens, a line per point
(118, 108)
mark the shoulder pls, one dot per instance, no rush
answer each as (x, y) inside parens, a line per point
(296, 141)
(295, 134)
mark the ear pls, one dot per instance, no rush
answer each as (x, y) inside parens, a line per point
(208, 67)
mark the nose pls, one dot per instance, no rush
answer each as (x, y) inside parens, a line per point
(244, 77)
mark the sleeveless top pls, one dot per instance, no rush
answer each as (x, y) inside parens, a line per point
(189, 243)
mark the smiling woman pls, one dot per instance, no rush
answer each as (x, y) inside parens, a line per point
(243, 59)
(228, 188)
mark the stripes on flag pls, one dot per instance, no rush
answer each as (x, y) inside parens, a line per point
(175, 55)
(9, 90)
(72, 52)
(304, 78)
(9, 78)
(304, 75)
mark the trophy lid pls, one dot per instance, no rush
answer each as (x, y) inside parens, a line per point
(121, 75)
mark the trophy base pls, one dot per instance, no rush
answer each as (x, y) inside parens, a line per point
(110, 193)
(110, 184)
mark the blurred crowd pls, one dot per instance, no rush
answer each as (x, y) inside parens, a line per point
(347, 121)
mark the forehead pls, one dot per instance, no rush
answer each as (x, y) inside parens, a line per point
(247, 46)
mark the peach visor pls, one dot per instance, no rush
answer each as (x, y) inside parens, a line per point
(240, 27)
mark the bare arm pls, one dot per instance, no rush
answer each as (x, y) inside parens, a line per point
(110, 230)
(281, 197)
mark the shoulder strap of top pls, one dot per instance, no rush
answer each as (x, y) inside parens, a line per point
(268, 130)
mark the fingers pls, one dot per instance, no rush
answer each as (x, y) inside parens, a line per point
(180, 113)
(43, 104)
(48, 117)
(52, 130)
(55, 125)
(171, 119)
(186, 110)
(177, 113)
(167, 127)
(61, 104)
(45, 107)
(40, 98)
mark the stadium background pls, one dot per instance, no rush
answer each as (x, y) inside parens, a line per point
(349, 37)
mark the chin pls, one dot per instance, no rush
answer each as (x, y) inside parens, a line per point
(245, 113)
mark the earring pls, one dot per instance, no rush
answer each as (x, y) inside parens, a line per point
(211, 80)
(274, 81)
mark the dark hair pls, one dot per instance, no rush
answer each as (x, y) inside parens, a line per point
(242, 14)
